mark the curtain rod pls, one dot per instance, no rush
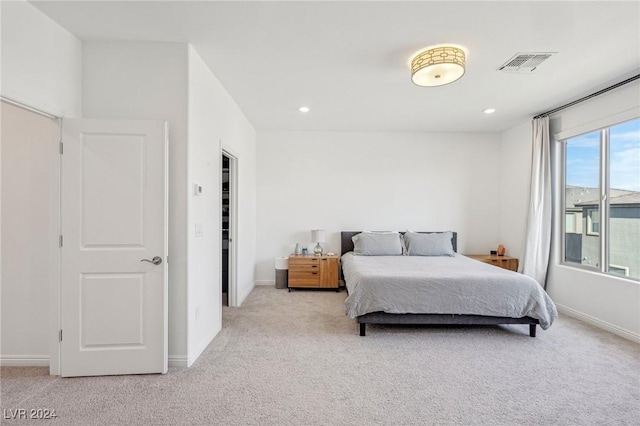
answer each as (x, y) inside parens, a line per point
(593, 95)
(28, 108)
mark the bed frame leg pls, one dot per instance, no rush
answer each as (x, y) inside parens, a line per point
(363, 329)
(532, 330)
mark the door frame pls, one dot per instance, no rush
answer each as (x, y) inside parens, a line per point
(55, 291)
(233, 223)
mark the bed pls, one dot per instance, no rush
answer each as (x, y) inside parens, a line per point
(451, 289)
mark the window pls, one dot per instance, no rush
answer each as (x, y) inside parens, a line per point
(593, 222)
(602, 199)
(570, 223)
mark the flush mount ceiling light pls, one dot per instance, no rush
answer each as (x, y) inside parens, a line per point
(438, 65)
(303, 109)
(489, 110)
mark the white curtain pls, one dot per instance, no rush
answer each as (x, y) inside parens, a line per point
(538, 242)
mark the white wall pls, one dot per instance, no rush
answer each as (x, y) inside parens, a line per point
(214, 118)
(610, 302)
(41, 67)
(204, 295)
(41, 61)
(238, 138)
(149, 81)
(342, 181)
(515, 172)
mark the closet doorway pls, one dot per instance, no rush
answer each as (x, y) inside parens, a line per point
(228, 225)
(30, 219)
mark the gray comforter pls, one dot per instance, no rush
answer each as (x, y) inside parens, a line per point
(441, 285)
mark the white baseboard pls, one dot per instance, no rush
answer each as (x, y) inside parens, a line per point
(630, 335)
(266, 282)
(178, 361)
(24, 360)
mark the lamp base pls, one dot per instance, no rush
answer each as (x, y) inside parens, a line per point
(317, 250)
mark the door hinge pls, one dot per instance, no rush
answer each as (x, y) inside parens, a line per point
(60, 335)
(61, 148)
(60, 241)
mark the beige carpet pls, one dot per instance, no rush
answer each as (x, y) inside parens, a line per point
(295, 359)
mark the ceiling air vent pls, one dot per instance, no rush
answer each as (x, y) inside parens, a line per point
(525, 63)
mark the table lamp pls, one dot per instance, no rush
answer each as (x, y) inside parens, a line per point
(317, 236)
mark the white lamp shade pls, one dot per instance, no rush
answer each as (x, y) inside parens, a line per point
(317, 235)
(438, 74)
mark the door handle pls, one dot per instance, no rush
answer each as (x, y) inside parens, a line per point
(156, 260)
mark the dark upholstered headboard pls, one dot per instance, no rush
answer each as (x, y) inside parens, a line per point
(346, 243)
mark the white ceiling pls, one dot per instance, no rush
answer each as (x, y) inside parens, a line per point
(348, 61)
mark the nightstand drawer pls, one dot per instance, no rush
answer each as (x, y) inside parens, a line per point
(293, 269)
(304, 267)
(305, 261)
(304, 277)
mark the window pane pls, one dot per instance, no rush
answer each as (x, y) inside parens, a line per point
(624, 198)
(593, 222)
(582, 177)
(570, 223)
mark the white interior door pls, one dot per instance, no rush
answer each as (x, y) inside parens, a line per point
(113, 297)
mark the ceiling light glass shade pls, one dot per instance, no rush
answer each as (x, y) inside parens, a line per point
(438, 66)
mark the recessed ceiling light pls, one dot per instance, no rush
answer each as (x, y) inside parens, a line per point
(489, 110)
(303, 109)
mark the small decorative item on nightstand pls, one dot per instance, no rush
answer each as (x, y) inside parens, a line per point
(501, 250)
(317, 236)
(298, 249)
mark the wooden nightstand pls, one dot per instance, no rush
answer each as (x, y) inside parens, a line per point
(505, 262)
(313, 271)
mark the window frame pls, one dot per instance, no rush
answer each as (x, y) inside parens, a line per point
(603, 206)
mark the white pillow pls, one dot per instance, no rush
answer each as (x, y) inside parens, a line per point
(377, 244)
(434, 244)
